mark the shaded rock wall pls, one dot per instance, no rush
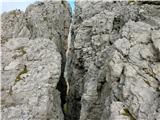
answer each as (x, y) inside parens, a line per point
(113, 61)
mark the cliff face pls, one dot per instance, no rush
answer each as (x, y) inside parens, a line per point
(104, 66)
(33, 50)
(113, 62)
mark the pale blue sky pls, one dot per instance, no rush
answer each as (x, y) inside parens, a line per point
(7, 5)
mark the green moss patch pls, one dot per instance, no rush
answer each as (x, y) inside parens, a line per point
(22, 50)
(147, 82)
(24, 71)
(45, 18)
(127, 113)
(65, 108)
(13, 13)
(131, 1)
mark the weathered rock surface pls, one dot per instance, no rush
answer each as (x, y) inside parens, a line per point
(13, 25)
(49, 20)
(29, 79)
(113, 61)
(33, 60)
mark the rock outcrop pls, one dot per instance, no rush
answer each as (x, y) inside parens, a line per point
(104, 66)
(31, 71)
(113, 61)
(13, 25)
(33, 60)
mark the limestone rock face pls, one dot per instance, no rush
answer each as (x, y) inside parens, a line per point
(33, 54)
(113, 61)
(104, 66)
(29, 80)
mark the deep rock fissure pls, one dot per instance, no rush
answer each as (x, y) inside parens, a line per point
(62, 86)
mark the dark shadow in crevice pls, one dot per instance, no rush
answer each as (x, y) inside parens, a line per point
(62, 86)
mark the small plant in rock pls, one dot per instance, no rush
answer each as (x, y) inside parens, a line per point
(24, 71)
